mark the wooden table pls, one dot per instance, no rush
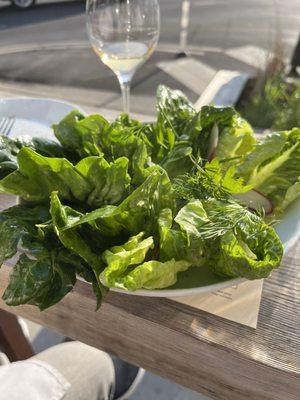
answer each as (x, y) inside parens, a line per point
(219, 358)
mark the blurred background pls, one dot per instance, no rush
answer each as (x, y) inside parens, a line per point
(46, 46)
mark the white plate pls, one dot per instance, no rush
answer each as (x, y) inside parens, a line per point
(35, 117)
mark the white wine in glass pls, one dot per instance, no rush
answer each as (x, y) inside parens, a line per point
(123, 33)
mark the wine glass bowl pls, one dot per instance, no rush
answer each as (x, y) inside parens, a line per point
(124, 34)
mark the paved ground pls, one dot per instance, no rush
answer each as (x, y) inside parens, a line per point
(48, 44)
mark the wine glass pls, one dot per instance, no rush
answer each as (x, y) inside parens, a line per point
(123, 33)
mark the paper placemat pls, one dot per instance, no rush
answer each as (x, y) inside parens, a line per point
(239, 303)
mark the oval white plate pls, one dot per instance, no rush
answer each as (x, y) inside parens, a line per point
(35, 117)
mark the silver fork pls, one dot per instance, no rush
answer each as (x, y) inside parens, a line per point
(6, 125)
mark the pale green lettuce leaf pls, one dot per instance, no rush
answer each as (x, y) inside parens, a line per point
(265, 149)
(235, 134)
(292, 194)
(119, 258)
(153, 275)
(172, 242)
(191, 218)
(276, 172)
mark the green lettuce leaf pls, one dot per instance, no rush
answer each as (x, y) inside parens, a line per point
(174, 110)
(120, 258)
(137, 213)
(10, 147)
(250, 251)
(235, 136)
(73, 241)
(45, 270)
(172, 242)
(177, 239)
(153, 275)
(81, 135)
(18, 227)
(292, 194)
(178, 160)
(42, 282)
(38, 176)
(109, 181)
(274, 165)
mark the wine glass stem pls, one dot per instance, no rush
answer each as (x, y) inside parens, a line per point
(125, 88)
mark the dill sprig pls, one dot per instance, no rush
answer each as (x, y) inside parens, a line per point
(223, 217)
(223, 212)
(199, 184)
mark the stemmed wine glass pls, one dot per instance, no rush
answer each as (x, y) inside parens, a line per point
(123, 33)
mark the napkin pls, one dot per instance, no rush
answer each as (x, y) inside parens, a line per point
(239, 303)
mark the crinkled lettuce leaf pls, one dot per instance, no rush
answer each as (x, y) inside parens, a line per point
(235, 135)
(81, 135)
(153, 275)
(138, 212)
(10, 147)
(93, 181)
(109, 181)
(251, 250)
(119, 258)
(229, 238)
(274, 165)
(38, 176)
(172, 241)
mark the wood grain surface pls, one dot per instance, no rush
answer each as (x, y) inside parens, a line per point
(206, 353)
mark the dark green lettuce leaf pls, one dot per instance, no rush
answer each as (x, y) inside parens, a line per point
(17, 227)
(81, 135)
(73, 240)
(178, 160)
(174, 111)
(43, 281)
(44, 272)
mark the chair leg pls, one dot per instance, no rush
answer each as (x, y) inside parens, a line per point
(13, 342)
